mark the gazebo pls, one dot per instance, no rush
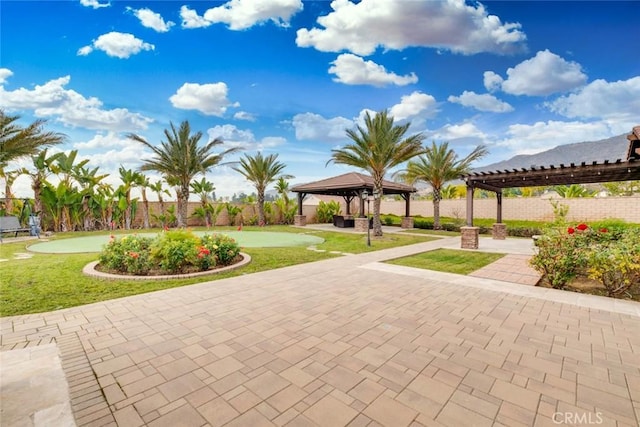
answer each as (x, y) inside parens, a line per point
(618, 163)
(350, 186)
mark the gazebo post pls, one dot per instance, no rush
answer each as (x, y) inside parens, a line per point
(499, 230)
(300, 219)
(361, 203)
(407, 221)
(469, 234)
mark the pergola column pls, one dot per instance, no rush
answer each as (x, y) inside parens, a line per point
(469, 235)
(499, 230)
(300, 219)
(407, 221)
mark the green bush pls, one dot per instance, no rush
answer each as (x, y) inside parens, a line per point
(170, 252)
(611, 257)
(326, 211)
(130, 254)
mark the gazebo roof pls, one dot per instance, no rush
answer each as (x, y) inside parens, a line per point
(351, 183)
(618, 162)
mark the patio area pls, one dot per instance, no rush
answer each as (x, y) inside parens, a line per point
(345, 341)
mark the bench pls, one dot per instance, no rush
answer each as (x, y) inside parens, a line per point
(11, 224)
(342, 222)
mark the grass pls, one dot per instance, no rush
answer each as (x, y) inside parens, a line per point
(49, 282)
(448, 260)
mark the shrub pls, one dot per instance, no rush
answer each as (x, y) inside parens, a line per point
(175, 250)
(130, 255)
(170, 252)
(326, 211)
(613, 258)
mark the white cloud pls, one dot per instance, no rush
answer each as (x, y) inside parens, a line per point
(120, 45)
(150, 19)
(94, 4)
(616, 103)
(544, 74)
(353, 70)
(417, 104)
(243, 14)
(210, 99)
(396, 24)
(481, 102)
(69, 107)
(243, 115)
(541, 136)
(315, 127)
(191, 19)
(102, 140)
(492, 81)
(4, 74)
(458, 131)
(243, 138)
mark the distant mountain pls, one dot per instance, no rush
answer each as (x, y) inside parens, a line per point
(611, 149)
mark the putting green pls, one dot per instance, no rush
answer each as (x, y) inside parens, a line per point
(246, 239)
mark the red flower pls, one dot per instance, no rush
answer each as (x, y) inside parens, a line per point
(204, 250)
(571, 230)
(604, 230)
(134, 255)
(582, 227)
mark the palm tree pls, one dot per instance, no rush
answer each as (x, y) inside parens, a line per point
(376, 148)
(17, 141)
(180, 159)
(144, 183)
(439, 165)
(261, 171)
(159, 190)
(42, 163)
(573, 191)
(203, 189)
(130, 179)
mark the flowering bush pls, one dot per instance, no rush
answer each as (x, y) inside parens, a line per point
(130, 255)
(172, 252)
(609, 256)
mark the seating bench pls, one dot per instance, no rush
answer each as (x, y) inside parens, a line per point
(342, 222)
(11, 224)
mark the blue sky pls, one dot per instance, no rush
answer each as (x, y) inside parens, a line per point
(289, 76)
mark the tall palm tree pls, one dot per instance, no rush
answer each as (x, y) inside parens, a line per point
(42, 163)
(17, 141)
(439, 165)
(204, 189)
(261, 171)
(180, 159)
(376, 148)
(130, 179)
(158, 188)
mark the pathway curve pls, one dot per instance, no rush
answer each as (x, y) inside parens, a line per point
(346, 341)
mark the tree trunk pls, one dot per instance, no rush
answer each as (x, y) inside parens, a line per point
(436, 210)
(145, 209)
(183, 205)
(261, 220)
(377, 224)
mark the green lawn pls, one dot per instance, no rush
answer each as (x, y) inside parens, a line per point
(448, 260)
(48, 282)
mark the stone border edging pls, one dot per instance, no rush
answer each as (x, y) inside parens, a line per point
(90, 270)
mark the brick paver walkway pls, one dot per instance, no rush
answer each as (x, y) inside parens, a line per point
(512, 268)
(347, 341)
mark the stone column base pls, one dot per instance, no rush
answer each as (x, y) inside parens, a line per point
(300, 220)
(360, 224)
(470, 236)
(407, 222)
(499, 231)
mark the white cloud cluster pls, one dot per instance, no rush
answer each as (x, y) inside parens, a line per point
(244, 138)
(103, 140)
(4, 74)
(150, 19)
(120, 45)
(243, 14)
(243, 115)
(541, 136)
(210, 98)
(544, 74)
(94, 4)
(310, 126)
(481, 102)
(416, 104)
(69, 107)
(396, 24)
(616, 103)
(353, 70)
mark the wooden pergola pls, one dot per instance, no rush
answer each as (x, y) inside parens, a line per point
(350, 186)
(595, 171)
